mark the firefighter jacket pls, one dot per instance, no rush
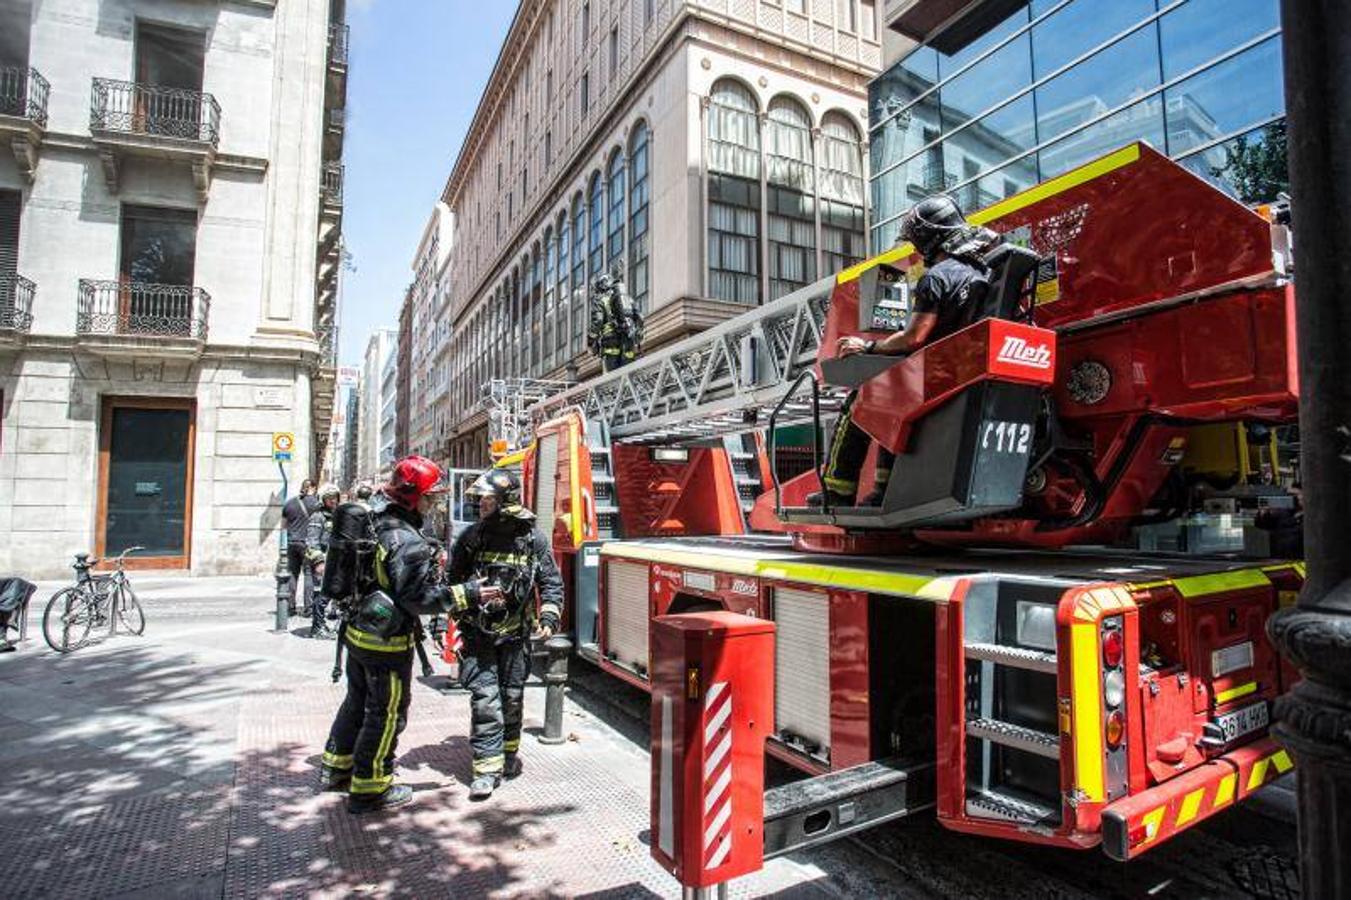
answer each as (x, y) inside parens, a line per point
(406, 570)
(507, 549)
(615, 327)
(317, 532)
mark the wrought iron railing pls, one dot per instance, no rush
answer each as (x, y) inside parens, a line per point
(23, 93)
(129, 108)
(16, 302)
(339, 42)
(134, 308)
(337, 119)
(331, 186)
(327, 336)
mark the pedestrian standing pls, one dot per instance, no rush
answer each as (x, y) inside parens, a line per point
(295, 516)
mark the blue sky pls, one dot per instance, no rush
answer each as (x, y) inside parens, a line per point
(418, 68)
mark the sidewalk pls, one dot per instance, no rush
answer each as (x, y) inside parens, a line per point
(181, 764)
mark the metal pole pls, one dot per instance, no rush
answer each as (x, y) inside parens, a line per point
(555, 677)
(282, 574)
(1314, 720)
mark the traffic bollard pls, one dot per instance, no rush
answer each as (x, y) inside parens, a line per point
(283, 592)
(559, 649)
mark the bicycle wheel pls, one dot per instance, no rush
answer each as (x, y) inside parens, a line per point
(129, 611)
(67, 619)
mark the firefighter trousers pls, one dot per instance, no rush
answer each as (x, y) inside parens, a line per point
(365, 733)
(494, 674)
(848, 449)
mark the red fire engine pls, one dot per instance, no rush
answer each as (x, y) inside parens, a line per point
(985, 642)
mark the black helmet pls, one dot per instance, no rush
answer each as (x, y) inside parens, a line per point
(503, 485)
(932, 222)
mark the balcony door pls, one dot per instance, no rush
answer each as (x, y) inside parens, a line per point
(173, 61)
(9, 255)
(146, 450)
(158, 260)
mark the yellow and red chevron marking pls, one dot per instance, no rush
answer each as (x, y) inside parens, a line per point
(717, 782)
(1135, 824)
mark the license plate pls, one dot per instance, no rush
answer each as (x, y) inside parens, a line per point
(1243, 721)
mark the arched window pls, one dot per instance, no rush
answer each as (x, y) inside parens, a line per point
(733, 194)
(842, 183)
(514, 323)
(639, 193)
(614, 250)
(578, 271)
(564, 292)
(550, 307)
(536, 313)
(596, 233)
(792, 215)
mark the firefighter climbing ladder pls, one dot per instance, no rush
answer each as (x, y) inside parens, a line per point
(723, 381)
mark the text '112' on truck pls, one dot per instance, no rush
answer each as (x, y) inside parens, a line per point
(1051, 629)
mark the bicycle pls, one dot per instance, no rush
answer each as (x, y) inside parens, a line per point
(93, 600)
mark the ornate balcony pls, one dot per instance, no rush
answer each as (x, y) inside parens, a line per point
(16, 308)
(120, 318)
(339, 42)
(330, 189)
(23, 114)
(147, 120)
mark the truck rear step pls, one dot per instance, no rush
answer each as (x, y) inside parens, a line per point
(1015, 736)
(995, 805)
(1015, 657)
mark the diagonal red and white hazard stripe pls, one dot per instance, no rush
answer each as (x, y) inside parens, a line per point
(717, 820)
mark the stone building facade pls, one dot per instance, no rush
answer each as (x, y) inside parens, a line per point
(169, 219)
(711, 152)
(380, 350)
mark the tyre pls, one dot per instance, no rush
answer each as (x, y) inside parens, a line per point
(67, 619)
(129, 611)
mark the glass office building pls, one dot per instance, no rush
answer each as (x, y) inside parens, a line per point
(1059, 82)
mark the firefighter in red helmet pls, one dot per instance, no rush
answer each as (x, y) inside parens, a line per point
(402, 583)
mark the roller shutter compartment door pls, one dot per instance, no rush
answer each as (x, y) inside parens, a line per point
(546, 484)
(626, 613)
(802, 665)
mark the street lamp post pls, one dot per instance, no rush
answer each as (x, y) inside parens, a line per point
(1314, 719)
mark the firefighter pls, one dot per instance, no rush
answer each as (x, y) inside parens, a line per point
(505, 549)
(295, 516)
(616, 328)
(317, 531)
(955, 281)
(379, 637)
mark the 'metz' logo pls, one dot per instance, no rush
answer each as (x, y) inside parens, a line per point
(1019, 352)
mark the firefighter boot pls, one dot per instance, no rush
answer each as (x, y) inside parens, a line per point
(482, 787)
(835, 497)
(512, 768)
(394, 795)
(331, 779)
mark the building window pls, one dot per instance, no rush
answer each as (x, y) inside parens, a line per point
(734, 194)
(578, 271)
(158, 246)
(536, 313)
(596, 233)
(549, 85)
(792, 214)
(614, 52)
(647, 12)
(564, 293)
(869, 10)
(586, 22)
(584, 93)
(639, 239)
(846, 15)
(548, 148)
(841, 193)
(550, 307)
(615, 225)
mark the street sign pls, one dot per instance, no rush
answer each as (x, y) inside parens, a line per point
(283, 443)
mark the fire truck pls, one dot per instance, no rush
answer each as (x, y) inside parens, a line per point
(987, 643)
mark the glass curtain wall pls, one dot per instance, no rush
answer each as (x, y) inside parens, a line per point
(1061, 82)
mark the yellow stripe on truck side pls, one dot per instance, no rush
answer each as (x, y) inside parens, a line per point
(1085, 671)
(1201, 585)
(1099, 167)
(1243, 690)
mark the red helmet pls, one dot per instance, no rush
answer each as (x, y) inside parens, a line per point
(414, 476)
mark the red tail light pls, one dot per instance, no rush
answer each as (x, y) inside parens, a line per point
(1113, 648)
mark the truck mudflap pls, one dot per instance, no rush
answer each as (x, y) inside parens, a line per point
(1134, 824)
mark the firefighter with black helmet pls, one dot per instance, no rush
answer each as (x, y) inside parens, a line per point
(955, 282)
(403, 584)
(505, 549)
(317, 532)
(616, 328)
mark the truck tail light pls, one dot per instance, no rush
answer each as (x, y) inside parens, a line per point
(1116, 728)
(1113, 648)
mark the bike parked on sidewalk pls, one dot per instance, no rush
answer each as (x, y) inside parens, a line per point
(94, 600)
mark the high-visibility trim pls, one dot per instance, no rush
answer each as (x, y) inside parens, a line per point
(1073, 178)
(840, 485)
(575, 485)
(367, 641)
(1203, 585)
(379, 777)
(1282, 762)
(1224, 793)
(1085, 672)
(489, 765)
(898, 584)
(1191, 804)
(337, 761)
(512, 746)
(1258, 774)
(1152, 821)
(511, 559)
(1243, 690)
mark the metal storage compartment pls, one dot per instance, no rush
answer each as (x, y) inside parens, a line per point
(802, 668)
(626, 614)
(546, 483)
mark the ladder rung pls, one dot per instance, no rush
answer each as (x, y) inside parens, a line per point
(1015, 736)
(1015, 657)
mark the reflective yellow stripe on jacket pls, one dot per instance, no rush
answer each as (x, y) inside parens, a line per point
(399, 643)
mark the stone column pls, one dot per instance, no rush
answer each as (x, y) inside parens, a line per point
(1314, 720)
